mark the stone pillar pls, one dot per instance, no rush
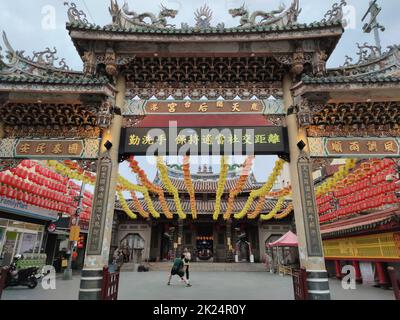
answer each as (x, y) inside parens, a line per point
(101, 223)
(305, 209)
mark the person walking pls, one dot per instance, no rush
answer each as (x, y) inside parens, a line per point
(118, 259)
(186, 262)
(177, 269)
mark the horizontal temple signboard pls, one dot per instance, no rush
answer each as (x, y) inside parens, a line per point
(183, 107)
(354, 147)
(204, 141)
(49, 149)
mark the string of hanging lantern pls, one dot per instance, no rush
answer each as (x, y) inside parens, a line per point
(364, 189)
(274, 211)
(239, 186)
(189, 186)
(332, 182)
(221, 186)
(262, 192)
(125, 206)
(124, 184)
(138, 206)
(39, 186)
(170, 187)
(133, 164)
(72, 172)
(289, 209)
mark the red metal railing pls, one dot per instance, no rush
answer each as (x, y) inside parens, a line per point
(110, 285)
(300, 284)
(395, 282)
(3, 276)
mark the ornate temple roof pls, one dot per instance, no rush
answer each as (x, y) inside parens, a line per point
(52, 80)
(126, 21)
(361, 223)
(203, 207)
(152, 51)
(171, 31)
(44, 70)
(371, 67)
(205, 182)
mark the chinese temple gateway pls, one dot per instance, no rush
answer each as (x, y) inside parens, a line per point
(260, 88)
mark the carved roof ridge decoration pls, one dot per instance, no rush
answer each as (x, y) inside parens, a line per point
(126, 21)
(124, 18)
(386, 64)
(75, 15)
(336, 13)
(40, 64)
(203, 17)
(279, 18)
(176, 171)
(206, 182)
(306, 79)
(40, 69)
(209, 31)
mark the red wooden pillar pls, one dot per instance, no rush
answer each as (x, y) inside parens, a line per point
(382, 278)
(356, 266)
(338, 269)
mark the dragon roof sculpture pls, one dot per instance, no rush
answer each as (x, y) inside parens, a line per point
(280, 17)
(125, 18)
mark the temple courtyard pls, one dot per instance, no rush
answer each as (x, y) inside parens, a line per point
(206, 286)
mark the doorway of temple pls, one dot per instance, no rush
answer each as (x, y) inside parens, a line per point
(166, 246)
(133, 245)
(243, 247)
(205, 243)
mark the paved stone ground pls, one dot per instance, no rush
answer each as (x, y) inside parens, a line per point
(206, 286)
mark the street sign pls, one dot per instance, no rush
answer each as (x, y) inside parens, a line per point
(51, 227)
(74, 233)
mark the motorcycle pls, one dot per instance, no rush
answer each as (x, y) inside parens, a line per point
(24, 277)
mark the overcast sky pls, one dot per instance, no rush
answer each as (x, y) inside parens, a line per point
(27, 26)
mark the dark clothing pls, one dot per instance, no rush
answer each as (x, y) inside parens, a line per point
(177, 268)
(187, 272)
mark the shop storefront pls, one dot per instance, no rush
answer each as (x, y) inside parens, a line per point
(58, 242)
(23, 229)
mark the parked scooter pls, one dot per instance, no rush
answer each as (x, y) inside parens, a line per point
(25, 277)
